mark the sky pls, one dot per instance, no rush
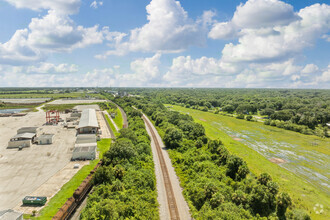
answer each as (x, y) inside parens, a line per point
(165, 43)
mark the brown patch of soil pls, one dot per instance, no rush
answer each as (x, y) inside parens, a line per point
(202, 119)
(277, 160)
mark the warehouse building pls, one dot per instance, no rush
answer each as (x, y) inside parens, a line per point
(21, 140)
(84, 152)
(45, 139)
(88, 122)
(85, 138)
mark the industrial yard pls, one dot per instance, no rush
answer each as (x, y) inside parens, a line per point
(43, 166)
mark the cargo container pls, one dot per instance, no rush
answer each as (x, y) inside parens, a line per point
(35, 200)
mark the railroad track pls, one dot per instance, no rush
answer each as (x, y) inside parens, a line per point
(173, 208)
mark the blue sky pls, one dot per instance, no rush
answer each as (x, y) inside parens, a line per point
(165, 43)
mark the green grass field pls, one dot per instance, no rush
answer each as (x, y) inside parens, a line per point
(68, 189)
(63, 107)
(112, 126)
(118, 119)
(257, 143)
(45, 95)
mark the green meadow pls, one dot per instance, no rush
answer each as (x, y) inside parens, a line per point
(300, 162)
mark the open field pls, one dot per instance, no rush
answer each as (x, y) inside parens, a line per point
(24, 101)
(22, 172)
(46, 95)
(302, 161)
(75, 101)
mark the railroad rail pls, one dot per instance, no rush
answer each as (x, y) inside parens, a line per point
(173, 208)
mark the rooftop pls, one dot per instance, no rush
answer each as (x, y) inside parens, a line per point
(46, 136)
(88, 119)
(24, 136)
(85, 149)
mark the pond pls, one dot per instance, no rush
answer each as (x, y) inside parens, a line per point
(9, 111)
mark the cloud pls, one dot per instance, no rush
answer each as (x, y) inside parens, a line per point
(255, 14)
(61, 6)
(268, 44)
(147, 68)
(169, 30)
(263, 13)
(50, 68)
(184, 68)
(310, 69)
(96, 4)
(55, 32)
(325, 77)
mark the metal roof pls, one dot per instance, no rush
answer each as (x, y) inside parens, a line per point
(88, 119)
(86, 138)
(25, 135)
(85, 149)
(46, 136)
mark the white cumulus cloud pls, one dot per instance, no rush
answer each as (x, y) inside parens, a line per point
(169, 29)
(62, 6)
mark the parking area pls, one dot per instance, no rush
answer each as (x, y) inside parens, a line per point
(23, 172)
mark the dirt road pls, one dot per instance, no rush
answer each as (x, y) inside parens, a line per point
(172, 204)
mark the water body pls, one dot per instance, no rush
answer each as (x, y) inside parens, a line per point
(10, 111)
(313, 166)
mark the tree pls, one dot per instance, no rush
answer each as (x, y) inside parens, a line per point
(172, 137)
(122, 149)
(228, 108)
(283, 201)
(104, 174)
(249, 117)
(236, 168)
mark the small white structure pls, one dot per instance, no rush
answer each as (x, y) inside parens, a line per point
(88, 122)
(21, 140)
(10, 214)
(84, 153)
(45, 139)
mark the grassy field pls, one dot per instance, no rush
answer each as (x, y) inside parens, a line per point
(112, 126)
(46, 95)
(68, 189)
(304, 175)
(118, 119)
(63, 107)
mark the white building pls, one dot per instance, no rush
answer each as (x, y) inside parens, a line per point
(88, 122)
(84, 152)
(45, 139)
(21, 140)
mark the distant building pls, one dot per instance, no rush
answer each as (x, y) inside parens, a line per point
(21, 140)
(88, 122)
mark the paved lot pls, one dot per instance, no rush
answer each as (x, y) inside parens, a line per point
(103, 125)
(23, 172)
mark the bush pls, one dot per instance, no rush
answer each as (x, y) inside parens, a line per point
(249, 117)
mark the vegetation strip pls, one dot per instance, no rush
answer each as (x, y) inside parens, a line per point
(125, 183)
